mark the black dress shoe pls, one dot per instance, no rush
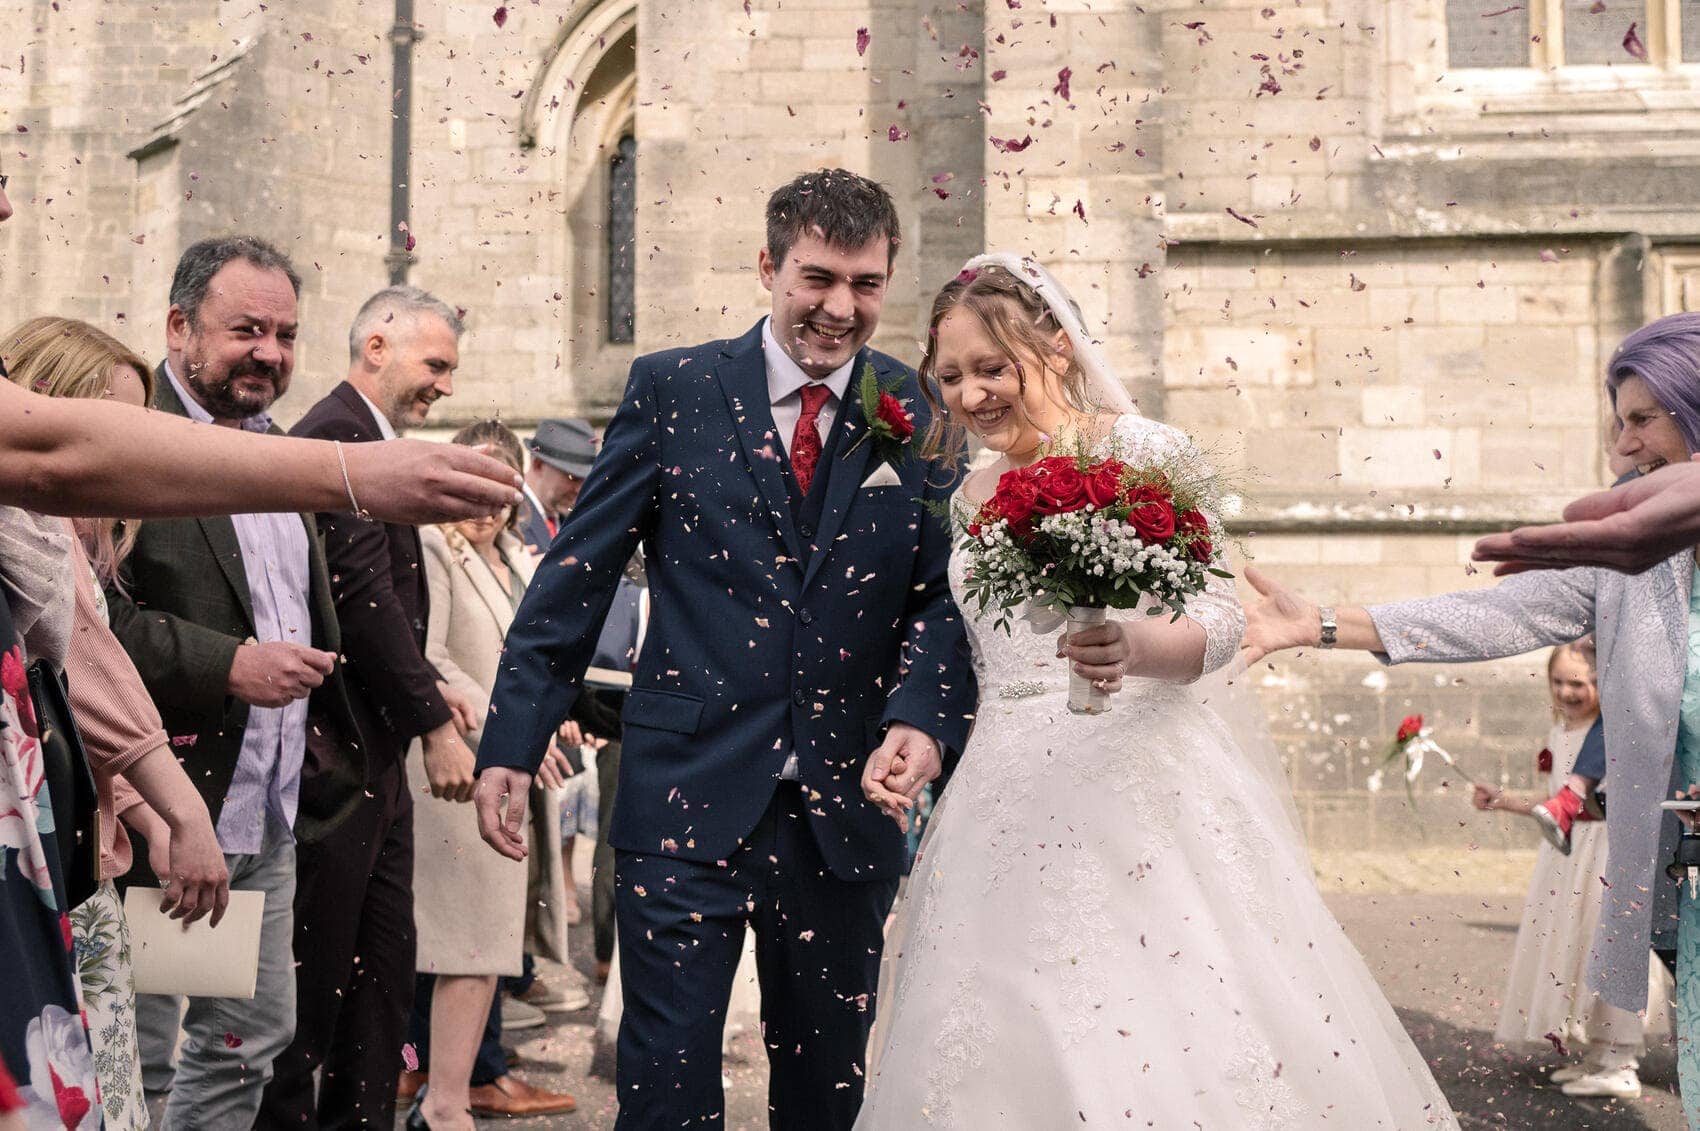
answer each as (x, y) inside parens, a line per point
(416, 1119)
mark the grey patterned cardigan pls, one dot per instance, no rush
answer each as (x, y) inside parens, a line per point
(1641, 626)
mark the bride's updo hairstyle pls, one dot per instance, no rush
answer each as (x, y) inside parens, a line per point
(1023, 327)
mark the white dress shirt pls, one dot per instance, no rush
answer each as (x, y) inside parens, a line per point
(384, 428)
(785, 381)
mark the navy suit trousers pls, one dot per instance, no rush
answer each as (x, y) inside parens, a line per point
(818, 941)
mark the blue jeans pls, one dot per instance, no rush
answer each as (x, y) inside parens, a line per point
(218, 1082)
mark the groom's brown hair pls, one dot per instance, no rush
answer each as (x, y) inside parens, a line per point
(848, 210)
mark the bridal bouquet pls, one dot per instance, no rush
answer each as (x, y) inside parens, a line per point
(1084, 536)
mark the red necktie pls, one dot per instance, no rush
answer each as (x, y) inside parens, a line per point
(805, 441)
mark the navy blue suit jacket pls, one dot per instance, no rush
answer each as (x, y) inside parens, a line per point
(763, 638)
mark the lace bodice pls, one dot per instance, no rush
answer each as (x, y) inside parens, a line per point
(1024, 662)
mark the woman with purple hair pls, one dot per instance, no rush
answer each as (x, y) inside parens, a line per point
(1648, 631)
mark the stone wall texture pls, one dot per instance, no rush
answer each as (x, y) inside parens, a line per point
(1381, 290)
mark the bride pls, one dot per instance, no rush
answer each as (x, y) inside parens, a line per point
(1112, 921)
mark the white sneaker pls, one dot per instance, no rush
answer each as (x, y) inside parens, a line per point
(516, 1014)
(1621, 1083)
(1568, 1073)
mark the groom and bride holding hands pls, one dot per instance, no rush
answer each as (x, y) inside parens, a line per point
(1112, 919)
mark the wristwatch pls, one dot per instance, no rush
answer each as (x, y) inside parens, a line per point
(1329, 627)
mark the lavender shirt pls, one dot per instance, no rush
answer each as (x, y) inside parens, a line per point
(267, 781)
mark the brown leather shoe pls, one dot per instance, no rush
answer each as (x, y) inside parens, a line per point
(602, 971)
(408, 1086)
(510, 1095)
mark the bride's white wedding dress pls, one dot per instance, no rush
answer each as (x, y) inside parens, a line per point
(1112, 923)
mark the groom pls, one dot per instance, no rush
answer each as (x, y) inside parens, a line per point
(801, 619)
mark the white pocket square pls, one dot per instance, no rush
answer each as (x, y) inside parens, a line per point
(883, 476)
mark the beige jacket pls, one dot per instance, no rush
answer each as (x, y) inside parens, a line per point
(470, 904)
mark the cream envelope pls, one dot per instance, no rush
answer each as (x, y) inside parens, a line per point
(883, 476)
(197, 960)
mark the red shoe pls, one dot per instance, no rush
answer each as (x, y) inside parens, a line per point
(1557, 814)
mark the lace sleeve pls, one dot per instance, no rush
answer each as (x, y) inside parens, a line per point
(1217, 610)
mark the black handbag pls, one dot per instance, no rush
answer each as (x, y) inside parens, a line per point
(65, 767)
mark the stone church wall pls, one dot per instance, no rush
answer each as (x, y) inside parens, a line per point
(1381, 288)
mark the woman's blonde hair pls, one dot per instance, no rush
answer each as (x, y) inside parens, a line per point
(1022, 326)
(62, 357)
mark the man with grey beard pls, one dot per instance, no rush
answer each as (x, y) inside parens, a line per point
(354, 912)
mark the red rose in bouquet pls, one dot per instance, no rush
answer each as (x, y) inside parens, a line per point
(1061, 486)
(1409, 727)
(896, 417)
(1151, 513)
(1193, 525)
(1015, 499)
(1104, 483)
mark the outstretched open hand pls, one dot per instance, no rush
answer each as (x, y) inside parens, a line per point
(1279, 619)
(1629, 528)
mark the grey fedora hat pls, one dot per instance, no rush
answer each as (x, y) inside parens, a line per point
(566, 445)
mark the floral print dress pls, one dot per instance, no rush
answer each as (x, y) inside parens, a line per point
(1688, 923)
(43, 1039)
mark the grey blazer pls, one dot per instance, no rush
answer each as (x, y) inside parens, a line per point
(1641, 626)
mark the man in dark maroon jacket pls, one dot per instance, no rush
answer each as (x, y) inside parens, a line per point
(354, 935)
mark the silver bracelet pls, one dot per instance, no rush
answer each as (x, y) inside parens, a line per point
(342, 462)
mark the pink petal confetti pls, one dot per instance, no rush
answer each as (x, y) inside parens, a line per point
(1246, 220)
(410, 1057)
(998, 76)
(500, 15)
(1061, 89)
(1010, 145)
(1557, 1043)
(897, 134)
(862, 39)
(1080, 210)
(232, 1041)
(1632, 44)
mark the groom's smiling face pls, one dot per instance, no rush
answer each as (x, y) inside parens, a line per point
(826, 299)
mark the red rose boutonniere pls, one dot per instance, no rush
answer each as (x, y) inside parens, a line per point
(889, 426)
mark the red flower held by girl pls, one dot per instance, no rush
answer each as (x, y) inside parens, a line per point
(1409, 728)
